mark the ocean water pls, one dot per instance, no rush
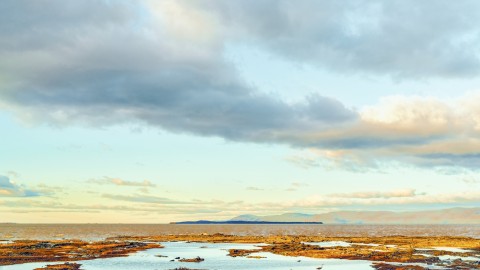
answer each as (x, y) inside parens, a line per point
(101, 231)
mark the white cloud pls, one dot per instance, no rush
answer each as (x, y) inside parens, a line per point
(373, 198)
(401, 193)
(251, 188)
(121, 182)
(422, 131)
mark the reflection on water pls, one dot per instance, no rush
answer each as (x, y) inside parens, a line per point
(215, 256)
(100, 231)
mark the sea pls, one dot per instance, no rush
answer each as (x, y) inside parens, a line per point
(91, 232)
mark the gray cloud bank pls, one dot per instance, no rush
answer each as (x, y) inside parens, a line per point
(399, 38)
(162, 63)
(118, 64)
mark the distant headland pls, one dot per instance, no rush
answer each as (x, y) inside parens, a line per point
(245, 222)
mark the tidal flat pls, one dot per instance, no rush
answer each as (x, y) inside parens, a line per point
(222, 251)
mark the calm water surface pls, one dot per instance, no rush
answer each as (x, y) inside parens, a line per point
(100, 231)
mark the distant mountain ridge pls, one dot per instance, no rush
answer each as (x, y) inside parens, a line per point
(247, 222)
(444, 216)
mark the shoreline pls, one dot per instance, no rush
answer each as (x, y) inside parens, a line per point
(98, 232)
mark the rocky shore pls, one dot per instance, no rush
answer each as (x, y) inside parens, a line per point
(394, 252)
(66, 250)
(64, 266)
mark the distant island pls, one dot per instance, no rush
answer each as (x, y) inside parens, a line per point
(246, 222)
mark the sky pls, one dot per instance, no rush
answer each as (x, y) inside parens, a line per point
(156, 111)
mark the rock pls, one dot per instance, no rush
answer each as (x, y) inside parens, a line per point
(65, 266)
(195, 260)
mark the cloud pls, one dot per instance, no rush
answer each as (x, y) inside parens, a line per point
(304, 161)
(74, 71)
(439, 39)
(470, 180)
(121, 182)
(163, 64)
(254, 188)
(137, 203)
(295, 186)
(27, 206)
(144, 199)
(164, 81)
(311, 203)
(11, 189)
(373, 198)
(401, 193)
(422, 131)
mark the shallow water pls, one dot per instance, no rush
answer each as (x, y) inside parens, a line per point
(100, 231)
(215, 256)
(452, 258)
(451, 249)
